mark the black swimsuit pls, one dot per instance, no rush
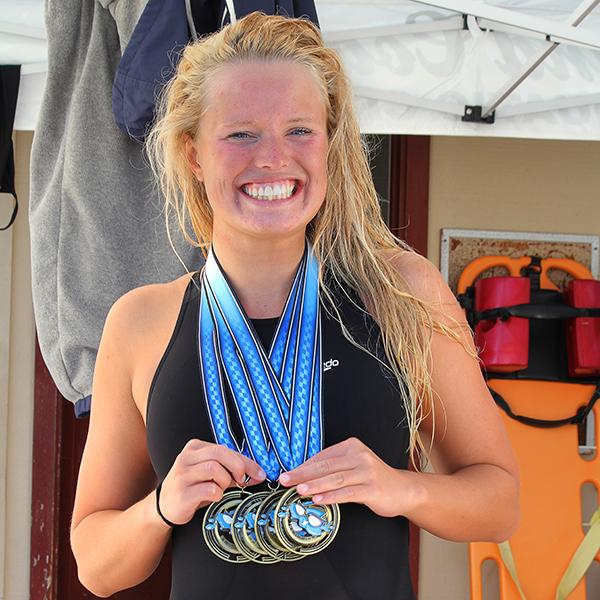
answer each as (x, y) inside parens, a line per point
(369, 557)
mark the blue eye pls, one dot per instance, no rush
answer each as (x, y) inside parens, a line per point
(301, 131)
(240, 135)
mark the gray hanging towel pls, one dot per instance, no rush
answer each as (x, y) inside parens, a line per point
(10, 77)
(97, 228)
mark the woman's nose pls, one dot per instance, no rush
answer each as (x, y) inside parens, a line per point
(272, 153)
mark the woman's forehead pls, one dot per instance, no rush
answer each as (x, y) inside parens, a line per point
(250, 90)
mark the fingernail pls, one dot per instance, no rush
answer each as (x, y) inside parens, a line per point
(318, 498)
(284, 478)
(261, 474)
(302, 488)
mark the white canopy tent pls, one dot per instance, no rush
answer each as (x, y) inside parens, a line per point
(418, 66)
(422, 67)
(530, 66)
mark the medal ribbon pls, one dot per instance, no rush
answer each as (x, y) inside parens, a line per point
(277, 395)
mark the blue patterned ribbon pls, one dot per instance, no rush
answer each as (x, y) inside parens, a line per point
(277, 395)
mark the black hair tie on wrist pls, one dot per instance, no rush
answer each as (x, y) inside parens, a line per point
(158, 507)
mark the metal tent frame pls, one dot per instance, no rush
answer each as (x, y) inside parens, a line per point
(476, 14)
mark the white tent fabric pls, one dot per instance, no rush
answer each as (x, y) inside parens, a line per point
(415, 82)
(421, 82)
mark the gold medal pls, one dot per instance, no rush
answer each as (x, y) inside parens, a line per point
(302, 526)
(265, 529)
(217, 525)
(244, 532)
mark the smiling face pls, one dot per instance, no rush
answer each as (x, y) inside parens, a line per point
(261, 150)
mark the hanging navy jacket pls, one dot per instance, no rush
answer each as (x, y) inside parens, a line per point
(164, 28)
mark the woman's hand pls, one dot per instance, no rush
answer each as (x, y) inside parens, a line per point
(200, 475)
(351, 472)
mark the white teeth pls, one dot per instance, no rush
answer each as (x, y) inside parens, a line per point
(274, 191)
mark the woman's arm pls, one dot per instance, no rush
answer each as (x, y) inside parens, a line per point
(116, 536)
(475, 503)
(473, 494)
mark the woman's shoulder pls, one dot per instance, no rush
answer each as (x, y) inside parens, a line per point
(423, 279)
(145, 307)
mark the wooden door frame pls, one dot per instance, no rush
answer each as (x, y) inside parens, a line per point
(45, 484)
(58, 441)
(409, 189)
(409, 213)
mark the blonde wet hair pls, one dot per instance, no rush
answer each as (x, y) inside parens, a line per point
(348, 233)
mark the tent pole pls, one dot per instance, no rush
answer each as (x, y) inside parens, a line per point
(449, 24)
(551, 30)
(409, 100)
(515, 84)
(576, 17)
(582, 11)
(529, 108)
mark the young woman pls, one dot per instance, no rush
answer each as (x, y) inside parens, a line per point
(257, 146)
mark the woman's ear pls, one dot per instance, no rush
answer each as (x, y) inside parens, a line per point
(191, 154)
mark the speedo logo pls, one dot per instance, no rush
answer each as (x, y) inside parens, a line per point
(329, 364)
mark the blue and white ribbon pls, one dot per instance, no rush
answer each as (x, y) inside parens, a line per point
(277, 395)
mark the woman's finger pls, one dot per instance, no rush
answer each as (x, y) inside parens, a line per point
(352, 493)
(249, 482)
(331, 482)
(340, 449)
(211, 470)
(315, 469)
(237, 464)
(205, 493)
